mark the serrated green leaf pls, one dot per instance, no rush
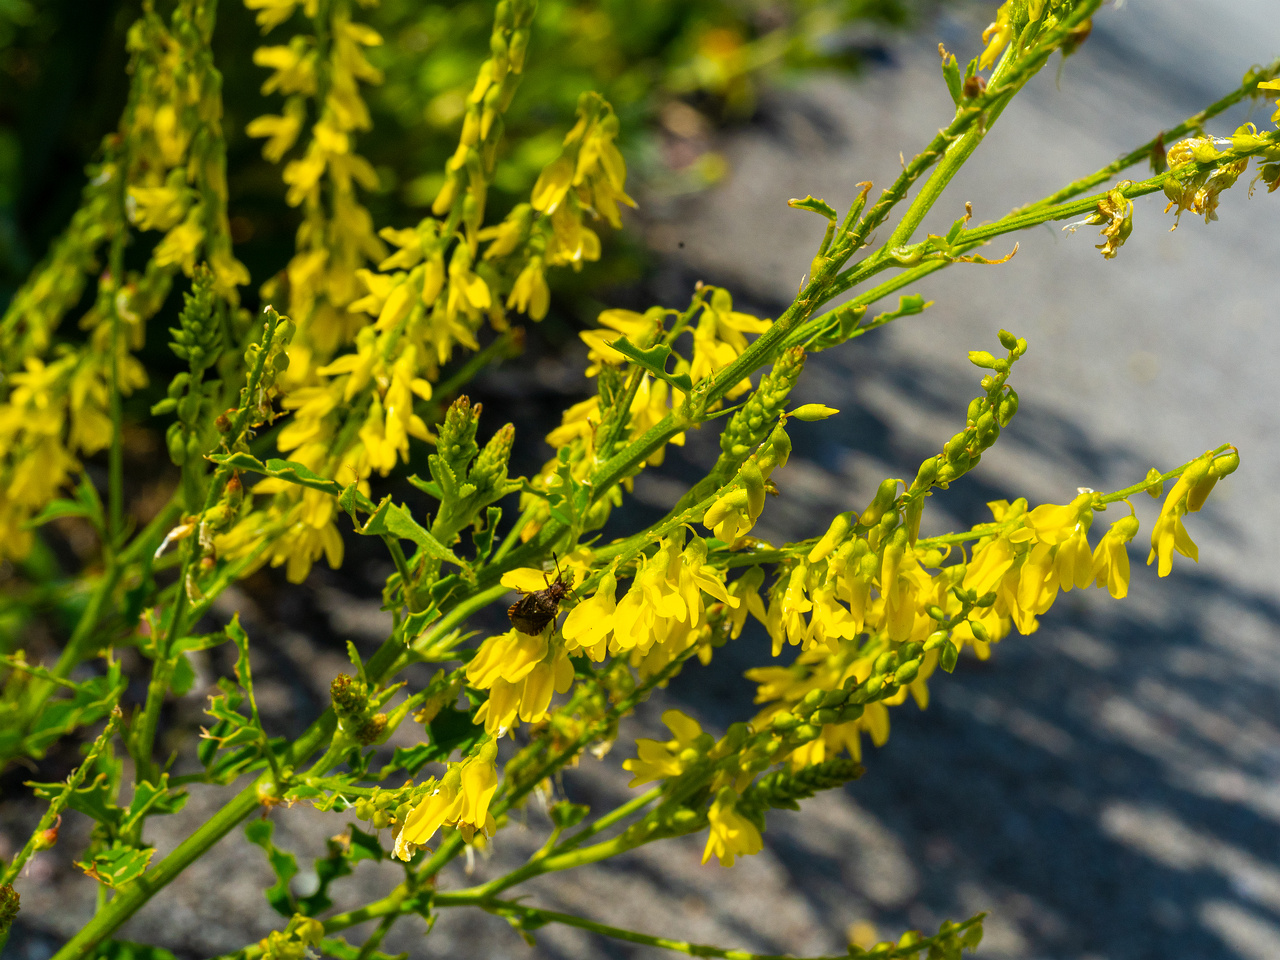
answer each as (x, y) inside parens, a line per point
(654, 359)
(117, 865)
(951, 74)
(286, 470)
(394, 520)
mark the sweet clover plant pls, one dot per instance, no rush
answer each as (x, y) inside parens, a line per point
(283, 421)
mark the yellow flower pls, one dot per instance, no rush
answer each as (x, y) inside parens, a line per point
(530, 293)
(281, 131)
(180, 245)
(731, 833)
(156, 208)
(658, 760)
(1169, 534)
(588, 626)
(520, 672)
(294, 66)
(461, 799)
(996, 37)
(1111, 559)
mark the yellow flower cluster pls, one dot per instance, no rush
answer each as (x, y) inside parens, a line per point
(353, 415)
(163, 170)
(458, 799)
(178, 181)
(855, 602)
(336, 237)
(661, 615)
(731, 834)
(719, 338)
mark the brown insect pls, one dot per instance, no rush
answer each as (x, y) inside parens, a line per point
(532, 612)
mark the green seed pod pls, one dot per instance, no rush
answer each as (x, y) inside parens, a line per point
(906, 673)
(880, 503)
(935, 640)
(784, 721)
(885, 663)
(1008, 407)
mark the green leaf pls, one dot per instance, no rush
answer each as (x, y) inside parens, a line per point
(150, 798)
(451, 730)
(283, 864)
(815, 205)
(951, 74)
(94, 799)
(184, 677)
(394, 520)
(55, 510)
(285, 470)
(117, 865)
(566, 815)
(653, 360)
(483, 537)
(365, 846)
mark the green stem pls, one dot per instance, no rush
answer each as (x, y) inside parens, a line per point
(56, 805)
(536, 917)
(1194, 122)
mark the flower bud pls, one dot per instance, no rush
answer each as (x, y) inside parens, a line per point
(813, 411)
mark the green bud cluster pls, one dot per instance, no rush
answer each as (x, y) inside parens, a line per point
(198, 336)
(355, 711)
(384, 807)
(456, 444)
(986, 415)
(785, 789)
(753, 422)
(9, 904)
(490, 470)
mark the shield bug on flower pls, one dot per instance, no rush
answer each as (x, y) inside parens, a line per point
(533, 611)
